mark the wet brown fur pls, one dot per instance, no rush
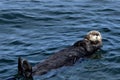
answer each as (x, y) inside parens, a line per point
(65, 57)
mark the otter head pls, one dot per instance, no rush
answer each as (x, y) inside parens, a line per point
(94, 37)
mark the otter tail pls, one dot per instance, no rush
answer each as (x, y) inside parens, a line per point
(24, 69)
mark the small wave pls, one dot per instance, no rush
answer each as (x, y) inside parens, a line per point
(17, 42)
(107, 10)
(113, 58)
(14, 17)
(3, 60)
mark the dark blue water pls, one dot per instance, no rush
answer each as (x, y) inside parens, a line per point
(34, 29)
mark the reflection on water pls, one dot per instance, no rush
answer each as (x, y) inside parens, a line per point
(34, 29)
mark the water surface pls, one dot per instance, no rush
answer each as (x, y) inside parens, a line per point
(35, 29)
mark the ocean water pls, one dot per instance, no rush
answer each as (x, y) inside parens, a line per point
(35, 29)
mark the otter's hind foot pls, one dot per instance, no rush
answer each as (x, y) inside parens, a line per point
(24, 69)
(27, 69)
(20, 69)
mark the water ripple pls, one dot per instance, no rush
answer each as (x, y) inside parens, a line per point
(35, 29)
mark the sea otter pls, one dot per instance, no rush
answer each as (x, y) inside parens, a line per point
(68, 56)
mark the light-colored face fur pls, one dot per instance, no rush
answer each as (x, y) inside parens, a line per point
(94, 36)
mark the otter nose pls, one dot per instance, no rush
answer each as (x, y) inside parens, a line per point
(96, 37)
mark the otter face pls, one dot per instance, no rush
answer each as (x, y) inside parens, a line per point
(94, 36)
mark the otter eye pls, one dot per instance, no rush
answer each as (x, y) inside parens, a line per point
(97, 34)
